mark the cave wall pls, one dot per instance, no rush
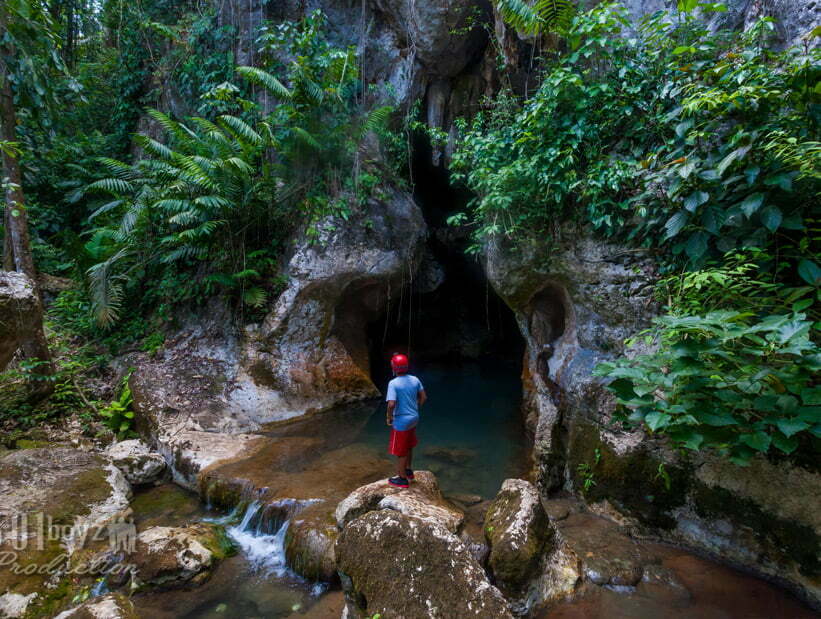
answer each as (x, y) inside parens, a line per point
(575, 304)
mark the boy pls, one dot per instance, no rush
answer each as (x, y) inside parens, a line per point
(405, 395)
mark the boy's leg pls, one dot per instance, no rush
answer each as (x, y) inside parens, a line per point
(401, 465)
(410, 459)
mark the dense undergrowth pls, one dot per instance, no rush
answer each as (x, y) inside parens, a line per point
(702, 148)
(152, 215)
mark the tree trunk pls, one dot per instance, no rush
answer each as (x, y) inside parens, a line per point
(17, 246)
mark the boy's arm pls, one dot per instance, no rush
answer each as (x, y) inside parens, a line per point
(391, 408)
(421, 397)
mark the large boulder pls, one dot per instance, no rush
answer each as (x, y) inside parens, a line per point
(136, 461)
(422, 500)
(434, 569)
(110, 606)
(168, 557)
(21, 314)
(53, 502)
(518, 532)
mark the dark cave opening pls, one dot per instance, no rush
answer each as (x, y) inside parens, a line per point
(460, 319)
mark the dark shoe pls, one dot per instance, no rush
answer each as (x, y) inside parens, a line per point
(409, 474)
(399, 482)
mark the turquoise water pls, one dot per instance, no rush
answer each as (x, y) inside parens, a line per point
(471, 433)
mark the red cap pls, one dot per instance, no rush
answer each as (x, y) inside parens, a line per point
(399, 363)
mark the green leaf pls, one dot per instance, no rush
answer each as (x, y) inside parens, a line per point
(791, 426)
(720, 420)
(696, 245)
(771, 218)
(675, 224)
(657, 420)
(809, 271)
(760, 441)
(695, 199)
(752, 203)
(782, 443)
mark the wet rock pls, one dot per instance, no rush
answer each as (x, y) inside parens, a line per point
(136, 461)
(111, 606)
(309, 543)
(21, 311)
(78, 494)
(466, 500)
(422, 500)
(451, 455)
(518, 533)
(438, 575)
(173, 556)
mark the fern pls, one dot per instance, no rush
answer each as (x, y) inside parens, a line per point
(266, 80)
(541, 16)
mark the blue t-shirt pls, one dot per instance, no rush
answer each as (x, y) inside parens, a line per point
(404, 390)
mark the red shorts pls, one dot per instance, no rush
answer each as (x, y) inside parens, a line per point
(402, 441)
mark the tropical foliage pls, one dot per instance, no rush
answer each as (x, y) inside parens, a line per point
(702, 148)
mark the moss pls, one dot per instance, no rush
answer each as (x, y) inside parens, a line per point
(786, 541)
(632, 481)
(27, 443)
(219, 543)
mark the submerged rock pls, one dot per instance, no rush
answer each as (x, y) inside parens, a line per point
(51, 502)
(136, 461)
(400, 566)
(518, 532)
(422, 500)
(111, 606)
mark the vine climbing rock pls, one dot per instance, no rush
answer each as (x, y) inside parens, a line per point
(21, 314)
(438, 576)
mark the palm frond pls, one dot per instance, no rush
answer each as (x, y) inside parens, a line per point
(241, 129)
(266, 80)
(114, 186)
(377, 118)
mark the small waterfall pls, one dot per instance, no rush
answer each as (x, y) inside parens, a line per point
(261, 534)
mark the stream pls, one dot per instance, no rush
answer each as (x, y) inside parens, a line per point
(472, 438)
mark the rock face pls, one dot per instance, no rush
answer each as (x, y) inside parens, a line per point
(21, 313)
(111, 606)
(422, 500)
(439, 576)
(575, 304)
(309, 354)
(74, 492)
(136, 461)
(519, 533)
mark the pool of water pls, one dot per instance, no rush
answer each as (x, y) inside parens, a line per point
(471, 432)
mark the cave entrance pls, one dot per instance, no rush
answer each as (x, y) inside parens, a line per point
(464, 344)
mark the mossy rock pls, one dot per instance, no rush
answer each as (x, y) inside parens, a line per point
(518, 531)
(784, 541)
(637, 482)
(60, 485)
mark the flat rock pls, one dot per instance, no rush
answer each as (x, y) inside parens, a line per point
(78, 494)
(436, 572)
(111, 606)
(422, 500)
(136, 461)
